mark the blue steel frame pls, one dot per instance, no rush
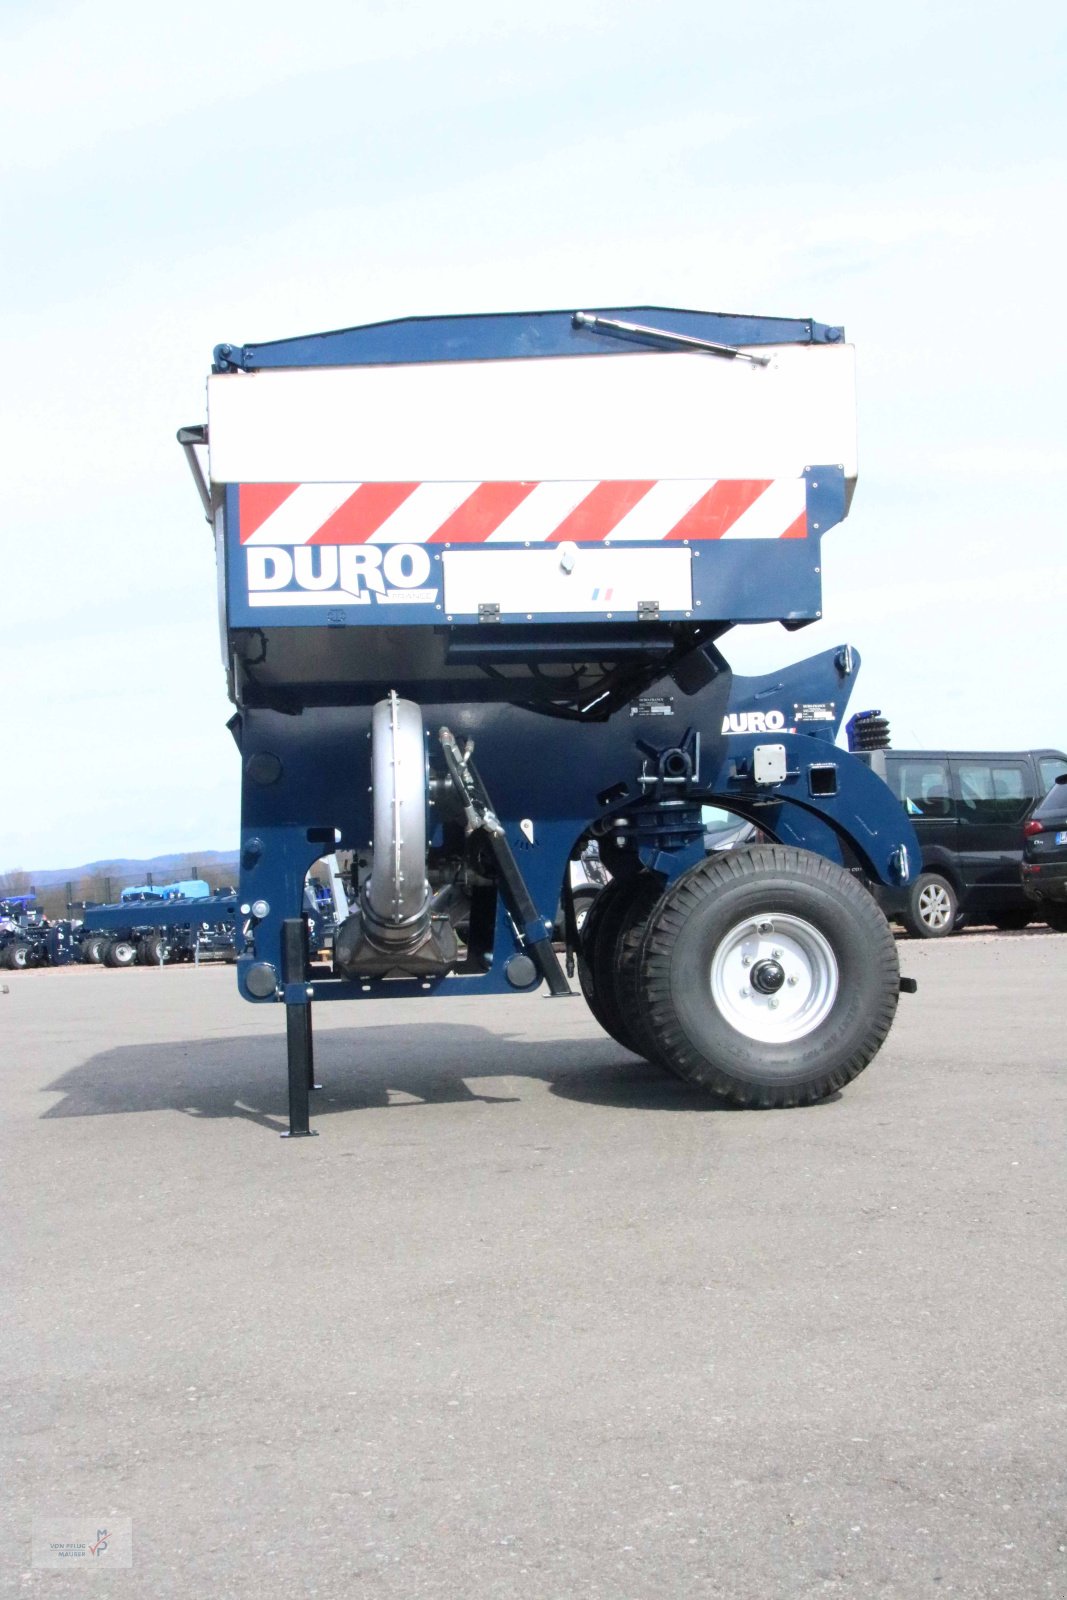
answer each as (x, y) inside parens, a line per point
(552, 772)
(131, 914)
(305, 786)
(510, 334)
(740, 580)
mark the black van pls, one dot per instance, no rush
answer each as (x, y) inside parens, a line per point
(968, 809)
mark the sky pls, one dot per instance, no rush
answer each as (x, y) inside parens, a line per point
(178, 177)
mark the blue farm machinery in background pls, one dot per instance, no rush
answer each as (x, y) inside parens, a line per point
(30, 939)
(151, 924)
(156, 923)
(476, 573)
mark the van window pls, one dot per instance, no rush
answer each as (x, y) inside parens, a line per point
(716, 820)
(993, 791)
(1055, 802)
(922, 786)
(1050, 767)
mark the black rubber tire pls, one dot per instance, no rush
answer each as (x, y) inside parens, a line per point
(624, 974)
(584, 955)
(1055, 916)
(932, 909)
(153, 946)
(605, 926)
(583, 904)
(142, 958)
(701, 910)
(17, 956)
(1012, 921)
(120, 953)
(91, 950)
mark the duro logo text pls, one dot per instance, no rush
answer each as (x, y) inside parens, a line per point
(753, 722)
(350, 572)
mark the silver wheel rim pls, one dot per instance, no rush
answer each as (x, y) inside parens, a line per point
(809, 986)
(935, 905)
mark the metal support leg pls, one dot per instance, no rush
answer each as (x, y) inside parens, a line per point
(298, 1034)
(310, 1048)
(297, 1041)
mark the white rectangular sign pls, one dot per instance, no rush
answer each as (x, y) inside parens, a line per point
(562, 580)
(647, 415)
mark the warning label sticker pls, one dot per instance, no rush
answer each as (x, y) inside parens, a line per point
(653, 705)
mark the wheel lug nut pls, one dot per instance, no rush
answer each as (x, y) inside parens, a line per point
(773, 1004)
(743, 993)
(746, 961)
(777, 954)
(792, 981)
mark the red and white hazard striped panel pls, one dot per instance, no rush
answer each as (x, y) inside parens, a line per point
(521, 513)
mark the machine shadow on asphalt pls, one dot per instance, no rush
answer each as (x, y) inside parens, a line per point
(364, 1069)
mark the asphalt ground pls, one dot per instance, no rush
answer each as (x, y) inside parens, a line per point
(530, 1318)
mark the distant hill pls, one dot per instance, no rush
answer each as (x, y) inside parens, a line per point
(162, 868)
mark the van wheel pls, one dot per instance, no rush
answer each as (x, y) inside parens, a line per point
(768, 976)
(583, 902)
(932, 907)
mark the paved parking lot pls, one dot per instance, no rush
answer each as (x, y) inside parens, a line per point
(530, 1318)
